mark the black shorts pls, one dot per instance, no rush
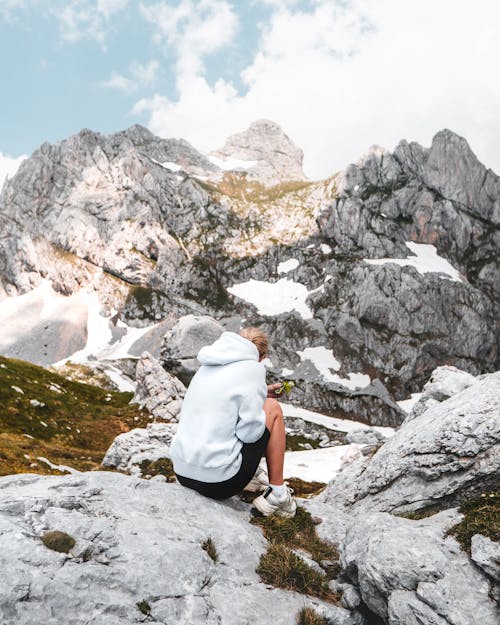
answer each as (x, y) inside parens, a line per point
(251, 453)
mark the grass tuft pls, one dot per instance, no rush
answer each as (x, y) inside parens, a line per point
(297, 533)
(281, 567)
(58, 541)
(161, 466)
(481, 516)
(144, 607)
(309, 616)
(208, 545)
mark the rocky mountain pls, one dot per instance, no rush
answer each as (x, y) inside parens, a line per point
(366, 281)
(265, 152)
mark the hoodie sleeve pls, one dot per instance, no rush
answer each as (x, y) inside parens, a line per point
(251, 416)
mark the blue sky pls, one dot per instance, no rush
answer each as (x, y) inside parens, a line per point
(338, 75)
(55, 84)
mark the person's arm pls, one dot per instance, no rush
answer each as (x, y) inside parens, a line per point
(251, 416)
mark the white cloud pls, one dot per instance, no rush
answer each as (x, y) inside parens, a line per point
(9, 8)
(194, 28)
(87, 19)
(141, 75)
(339, 76)
(9, 166)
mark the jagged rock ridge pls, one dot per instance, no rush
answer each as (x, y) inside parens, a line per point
(159, 241)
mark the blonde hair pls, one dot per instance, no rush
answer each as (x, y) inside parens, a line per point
(258, 338)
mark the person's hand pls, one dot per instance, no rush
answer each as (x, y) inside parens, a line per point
(271, 388)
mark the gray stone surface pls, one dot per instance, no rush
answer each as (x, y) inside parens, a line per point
(136, 540)
(129, 449)
(444, 382)
(273, 155)
(367, 436)
(450, 450)
(385, 553)
(181, 344)
(158, 391)
(486, 554)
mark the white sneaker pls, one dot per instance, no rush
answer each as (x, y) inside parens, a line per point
(259, 482)
(268, 504)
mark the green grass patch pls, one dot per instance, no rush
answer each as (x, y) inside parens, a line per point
(58, 541)
(481, 516)
(282, 568)
(67, 422)
(297, 533)
(162, 466)
(208, 545)
(309, 616)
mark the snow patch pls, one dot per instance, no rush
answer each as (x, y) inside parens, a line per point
(288, 265)
(324, 361)
(230, 163)
(426, 260)
(59, 467)
(320, 465)
(332, 423)
(407, 404)
(326, 249)
(274, 298)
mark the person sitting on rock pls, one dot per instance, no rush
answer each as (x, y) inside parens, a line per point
(229, 419)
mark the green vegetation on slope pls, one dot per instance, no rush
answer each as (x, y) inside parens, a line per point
(43, 414)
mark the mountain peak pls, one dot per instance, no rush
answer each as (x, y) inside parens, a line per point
(265, 151)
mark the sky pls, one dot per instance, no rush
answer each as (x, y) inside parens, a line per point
(338, 75)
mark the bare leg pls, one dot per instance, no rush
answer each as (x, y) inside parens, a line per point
(275, 452)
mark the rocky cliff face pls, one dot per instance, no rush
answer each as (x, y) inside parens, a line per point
(365, 281)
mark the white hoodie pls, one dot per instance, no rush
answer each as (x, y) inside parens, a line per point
(222, 409)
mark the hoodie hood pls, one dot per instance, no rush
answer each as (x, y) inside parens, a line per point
(229, 347)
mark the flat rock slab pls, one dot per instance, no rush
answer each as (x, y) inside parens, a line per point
(136, 540)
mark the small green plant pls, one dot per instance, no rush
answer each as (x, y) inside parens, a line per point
(309, 616)
(58, 541)
(286, 387)
(283, 568)
(209, 546)
(161, 466)
(481, 516)
(144, 607)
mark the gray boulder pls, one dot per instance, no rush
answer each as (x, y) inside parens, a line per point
(181, 344)
(385, 554)
(486, 554)
(367, 436)
(450, 450)
(129, 449)
(444, 382)
(158, 391)
(137, 552)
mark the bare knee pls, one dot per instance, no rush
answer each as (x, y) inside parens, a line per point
(273, 412)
